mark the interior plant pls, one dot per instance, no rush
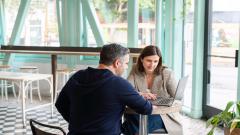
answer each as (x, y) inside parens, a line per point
(229, 118)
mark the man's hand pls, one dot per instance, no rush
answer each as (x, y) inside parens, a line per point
(148, 96)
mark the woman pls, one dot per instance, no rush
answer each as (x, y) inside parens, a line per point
(152, 79)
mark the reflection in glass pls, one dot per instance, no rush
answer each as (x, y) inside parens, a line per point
(224, 42)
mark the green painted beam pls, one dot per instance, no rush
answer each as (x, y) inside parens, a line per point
(91, 15)
(17, 28)
(21, 16)
(85, 31)
(132, 17)
(59, 20)
(198, 49)
(2, 23)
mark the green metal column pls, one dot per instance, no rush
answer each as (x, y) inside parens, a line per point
(2, 22)
(177, 44)
(65, 33)
(59, 19)
(17, 28)
(159, 26)
(168, 24)
(69, 14)
(79, 23)
(198, 49)
(163, 30)
(85, 35)
(132, 16)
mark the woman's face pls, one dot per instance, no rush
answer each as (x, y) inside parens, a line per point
(150, 63)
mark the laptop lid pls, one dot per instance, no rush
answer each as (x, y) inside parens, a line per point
(180, 88)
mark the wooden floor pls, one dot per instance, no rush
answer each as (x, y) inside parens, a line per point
(190, 126)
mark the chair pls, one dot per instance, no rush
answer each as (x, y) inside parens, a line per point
(4, 84)
(44, 129)
(62, 77)
(33, 85)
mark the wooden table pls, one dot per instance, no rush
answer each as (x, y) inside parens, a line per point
(23, 80)
(143, 127)
(54, 51)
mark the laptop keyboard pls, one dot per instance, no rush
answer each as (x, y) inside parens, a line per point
(163, 101)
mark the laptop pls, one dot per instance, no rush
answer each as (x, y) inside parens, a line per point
(164, 101)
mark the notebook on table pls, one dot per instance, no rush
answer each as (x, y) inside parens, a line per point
(178, 95)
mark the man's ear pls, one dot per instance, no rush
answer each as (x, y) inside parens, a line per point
(116, 63)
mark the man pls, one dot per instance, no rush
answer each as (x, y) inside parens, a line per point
(93, 100)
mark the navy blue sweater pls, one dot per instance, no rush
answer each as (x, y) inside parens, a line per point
(93, 101)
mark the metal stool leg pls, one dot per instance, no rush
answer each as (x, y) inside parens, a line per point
(13, 89)
(39, 95)
(2, 88)
(5, 88)
(31, 88)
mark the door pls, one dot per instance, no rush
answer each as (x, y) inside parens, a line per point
(221, 45)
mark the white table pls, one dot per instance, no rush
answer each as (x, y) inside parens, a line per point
(143, 120)
(23, 80)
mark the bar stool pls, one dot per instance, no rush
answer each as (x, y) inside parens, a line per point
(4, 84)
(64, 75)
(34, 84)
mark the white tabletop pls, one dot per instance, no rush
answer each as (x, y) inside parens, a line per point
(22, 76)
(176, 107)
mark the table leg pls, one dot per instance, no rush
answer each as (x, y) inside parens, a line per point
(54, 67)
(23, 103)
(143, 127)
(51, 88)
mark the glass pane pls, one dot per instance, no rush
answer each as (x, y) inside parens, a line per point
(40, 25)
(224, 42)
(146, 23)
(11, 9)
(112, 15)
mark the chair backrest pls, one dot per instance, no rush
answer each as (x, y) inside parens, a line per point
(44, 129)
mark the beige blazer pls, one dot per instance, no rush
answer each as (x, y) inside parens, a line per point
(171, 121)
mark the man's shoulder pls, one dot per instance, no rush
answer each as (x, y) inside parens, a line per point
(117, 80)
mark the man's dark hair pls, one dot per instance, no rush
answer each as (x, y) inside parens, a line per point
(111, 52)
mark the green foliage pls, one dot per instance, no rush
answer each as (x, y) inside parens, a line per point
(116, 10)
(147, 4)
(112, 10)
(186, 8)
(229, 117)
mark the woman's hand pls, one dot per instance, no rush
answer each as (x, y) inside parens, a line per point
(148, 96)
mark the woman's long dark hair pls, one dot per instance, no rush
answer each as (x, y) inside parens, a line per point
(149, 51)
